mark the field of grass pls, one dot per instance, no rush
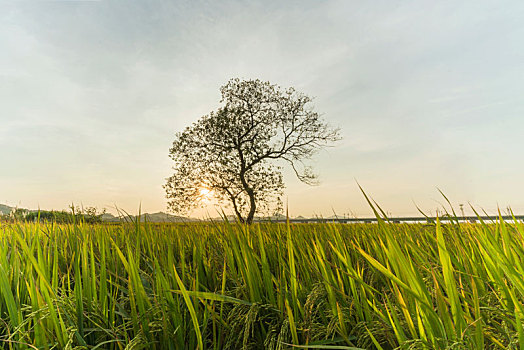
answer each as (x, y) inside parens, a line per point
(228, 286)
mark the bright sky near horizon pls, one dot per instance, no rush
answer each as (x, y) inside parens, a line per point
(427, 93)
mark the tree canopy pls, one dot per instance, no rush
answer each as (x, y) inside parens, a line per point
(90, 215)
(236, 153)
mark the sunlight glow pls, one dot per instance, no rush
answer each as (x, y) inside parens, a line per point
(205, 193)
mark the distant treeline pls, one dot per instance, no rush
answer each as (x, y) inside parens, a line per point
(87, 215)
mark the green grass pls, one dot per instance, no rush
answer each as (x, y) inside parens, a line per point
(275, 286)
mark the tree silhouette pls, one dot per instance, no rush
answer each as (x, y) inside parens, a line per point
(236, 153)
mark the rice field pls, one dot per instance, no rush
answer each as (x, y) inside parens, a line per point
(264, 286)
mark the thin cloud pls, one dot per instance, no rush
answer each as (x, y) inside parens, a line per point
(106, 87)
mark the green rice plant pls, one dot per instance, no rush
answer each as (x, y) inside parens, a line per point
(221, 285)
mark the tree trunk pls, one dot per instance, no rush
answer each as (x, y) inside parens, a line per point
(247, 188)
(240, 218)
(237, 213)
(252, 208)
(250, 193)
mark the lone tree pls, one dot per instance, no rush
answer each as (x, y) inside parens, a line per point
(235, 153)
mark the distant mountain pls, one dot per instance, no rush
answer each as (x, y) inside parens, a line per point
(164, 217)
(233, 218)
(5, 209)
(154, 217)
(109, 217)
(160, 217)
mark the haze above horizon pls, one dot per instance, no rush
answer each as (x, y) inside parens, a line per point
(427, 94)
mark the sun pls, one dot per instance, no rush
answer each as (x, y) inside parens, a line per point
(205, 193)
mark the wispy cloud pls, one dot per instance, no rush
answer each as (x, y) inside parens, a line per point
(96, 93)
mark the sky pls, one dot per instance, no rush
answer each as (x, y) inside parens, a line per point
(428, 94)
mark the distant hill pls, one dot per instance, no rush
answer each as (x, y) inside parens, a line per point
(5, 209)
(233, 218)
(154, 217)
(164, 217)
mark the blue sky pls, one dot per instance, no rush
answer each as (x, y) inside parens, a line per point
(428, 94)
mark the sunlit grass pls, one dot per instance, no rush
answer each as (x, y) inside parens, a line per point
(228, 286)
